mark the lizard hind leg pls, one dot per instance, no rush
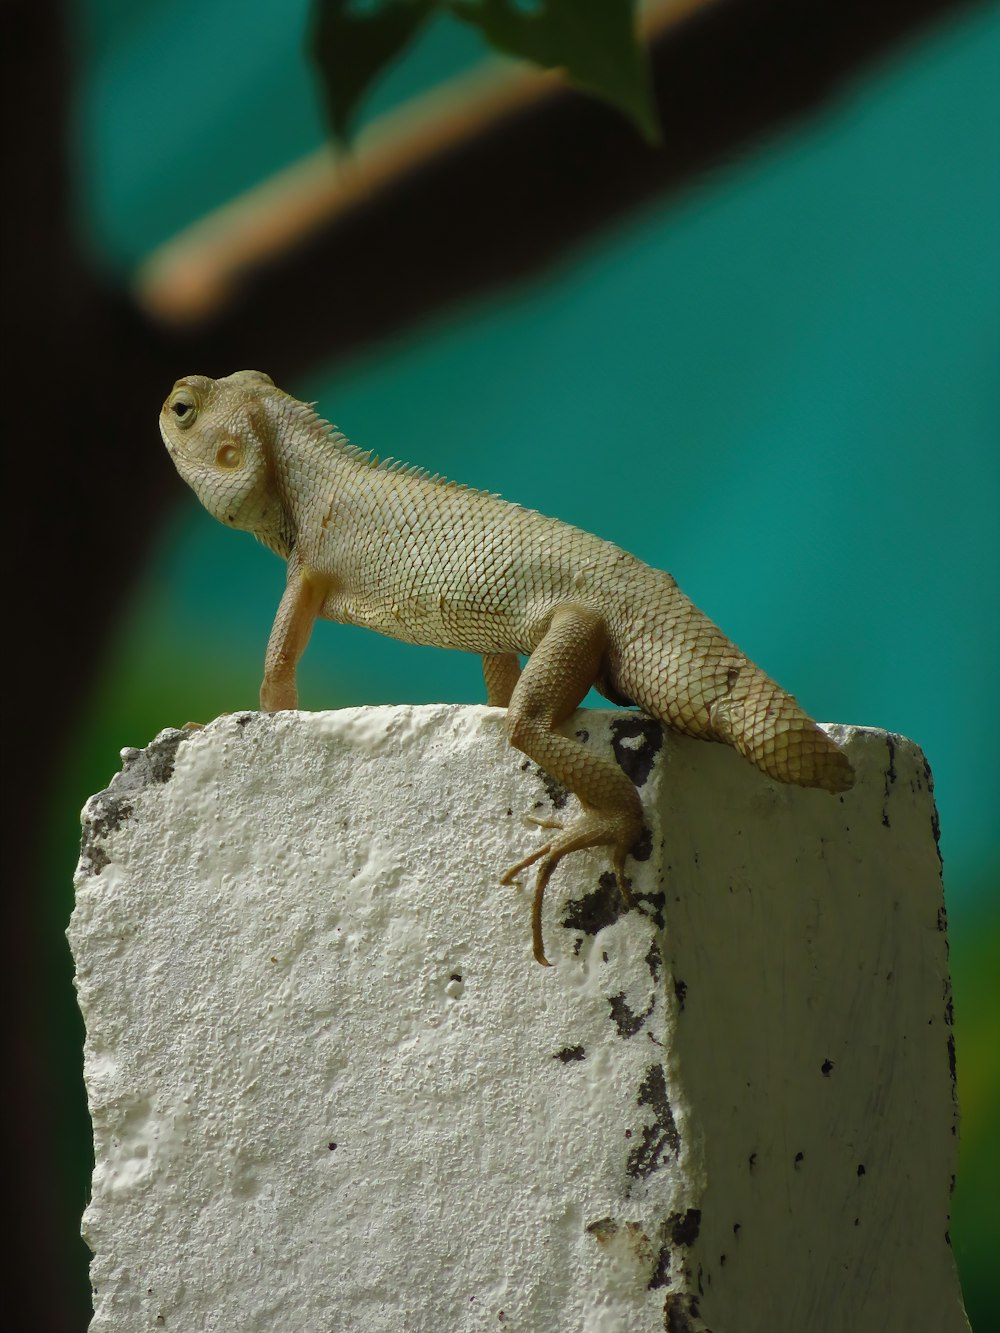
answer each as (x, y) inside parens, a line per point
(559, 672)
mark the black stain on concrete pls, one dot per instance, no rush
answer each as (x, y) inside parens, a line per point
(625, 1019)
(108, 810)
(636, 760)
(660, 1139)
(684, 1227)
(596, 910)
(556, 792)
(680, 1314)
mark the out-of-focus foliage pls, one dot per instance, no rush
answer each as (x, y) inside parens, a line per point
(352, 44)
(593, 41)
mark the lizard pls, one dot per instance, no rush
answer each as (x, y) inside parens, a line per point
(431, 561)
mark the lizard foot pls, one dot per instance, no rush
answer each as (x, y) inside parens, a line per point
(200, 726)
(594, 828)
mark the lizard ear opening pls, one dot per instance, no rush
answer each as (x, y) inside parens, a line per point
(229, 456)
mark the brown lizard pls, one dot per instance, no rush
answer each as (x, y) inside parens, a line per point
(433, 562)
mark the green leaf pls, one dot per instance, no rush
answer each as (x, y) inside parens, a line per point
(594, 42)
(353, 41)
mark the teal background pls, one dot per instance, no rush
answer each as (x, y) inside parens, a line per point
(782, 386)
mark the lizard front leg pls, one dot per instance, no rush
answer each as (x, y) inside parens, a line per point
(501, 672)
(559, 672)
(301, 602)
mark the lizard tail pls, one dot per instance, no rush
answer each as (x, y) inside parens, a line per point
(679, 667)
(767, 726)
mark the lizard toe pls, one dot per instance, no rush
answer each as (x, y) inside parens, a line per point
(593, 828)
(510, 875)
(544, 823)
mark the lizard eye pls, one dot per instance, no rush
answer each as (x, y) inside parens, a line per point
(184, 407)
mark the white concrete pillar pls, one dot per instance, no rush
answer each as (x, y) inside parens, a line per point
(331, 1090)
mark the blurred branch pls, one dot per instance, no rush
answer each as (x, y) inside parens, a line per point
(488, 179)
(197, 272)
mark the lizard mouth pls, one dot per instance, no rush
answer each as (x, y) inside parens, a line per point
(166, 440)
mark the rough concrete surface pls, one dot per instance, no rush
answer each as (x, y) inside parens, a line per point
(331, 1090)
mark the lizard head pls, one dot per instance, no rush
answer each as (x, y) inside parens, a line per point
(217, 431)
